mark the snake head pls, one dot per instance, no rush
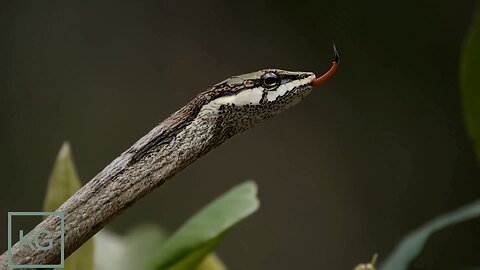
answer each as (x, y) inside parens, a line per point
(264, 87)
(247, 99)
(269, 87)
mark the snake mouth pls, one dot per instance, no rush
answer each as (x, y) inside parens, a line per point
(330, 72)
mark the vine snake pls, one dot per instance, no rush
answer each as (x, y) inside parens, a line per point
(229, 107)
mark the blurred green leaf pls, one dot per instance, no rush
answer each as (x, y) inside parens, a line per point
(109, 249)
(470, 81)
(63, 183)
(194, 259)
(133, 251)
(137, 249)
(409, 248)
(211, 262)
(142, 244)
(189, 246)
(368, 266)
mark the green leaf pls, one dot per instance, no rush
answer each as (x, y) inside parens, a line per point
(142, 244)
(194, 259)
(470, 81)
(409, 248)
(137, 249)
(212, 262)
(63, 183)
(109, 249)
(133, 251)
(199, 236)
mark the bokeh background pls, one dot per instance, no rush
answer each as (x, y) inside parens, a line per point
(368, 156)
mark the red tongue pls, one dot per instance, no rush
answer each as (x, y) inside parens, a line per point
(330, 72)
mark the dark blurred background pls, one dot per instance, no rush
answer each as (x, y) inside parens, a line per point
(372, 154)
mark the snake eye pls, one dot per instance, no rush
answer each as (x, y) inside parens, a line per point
(270, 80)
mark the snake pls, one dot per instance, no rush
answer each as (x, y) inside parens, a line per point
(208, 120)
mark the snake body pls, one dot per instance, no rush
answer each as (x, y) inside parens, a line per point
(229, 107)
